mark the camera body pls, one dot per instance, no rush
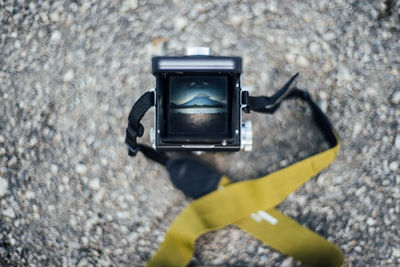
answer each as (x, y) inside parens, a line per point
(198, 103)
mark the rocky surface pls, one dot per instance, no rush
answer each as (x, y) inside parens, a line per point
(70, 71)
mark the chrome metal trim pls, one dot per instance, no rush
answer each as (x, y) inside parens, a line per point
(196, 64)
(198, 51)
(155, 118)
(198, 146)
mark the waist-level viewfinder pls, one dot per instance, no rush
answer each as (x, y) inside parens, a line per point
(198, 102)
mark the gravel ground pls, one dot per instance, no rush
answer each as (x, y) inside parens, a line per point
(70, 71)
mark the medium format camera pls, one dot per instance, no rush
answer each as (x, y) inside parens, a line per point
(198, 100)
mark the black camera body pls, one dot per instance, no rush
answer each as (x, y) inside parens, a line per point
(198, 102)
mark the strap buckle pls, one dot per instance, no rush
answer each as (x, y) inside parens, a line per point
(245, 101)
(132, 151)
(131, 134)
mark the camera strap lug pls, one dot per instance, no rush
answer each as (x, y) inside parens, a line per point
(245, 101)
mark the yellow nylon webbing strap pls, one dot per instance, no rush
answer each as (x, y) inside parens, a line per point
(289, 237)
(235, 202)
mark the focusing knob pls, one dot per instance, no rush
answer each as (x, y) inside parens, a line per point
(198, 51)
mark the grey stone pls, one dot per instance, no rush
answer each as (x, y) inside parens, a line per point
(69, 76)
(314, 48)
(55, 36)
(329, 36)
(9, 212)
(395, 99)
(129, 5)
(396, 252)
(236, 20)
(397, 142)
(288, 262)
(393, 166)
(12, 162)
(302, 61)
(344, 73)
(180, 23)
(81, 169)
(94, 184)
(3, 186)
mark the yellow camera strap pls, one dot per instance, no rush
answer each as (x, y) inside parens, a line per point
(250, 205)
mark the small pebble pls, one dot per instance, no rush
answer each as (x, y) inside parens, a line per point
(9, 212)
(314, 48)
(98, 197)
(3, 186)
(94, 184)
(290, 58)
(84, 262)
(329, 36)
(395, 99)
(344, 74)
(130, 5)
(55, 37)
(302, 61)
(288, 262)
(393, 166)
(357, 129)
(33, 142)
(236, 20)
(323, 104)
(180, 23)
(12, 161)
(396, 252)
(54, 169)
(80, 169)
(55, 16)
(17, 44)
(69, 76)
(370, 221)
(397, 142)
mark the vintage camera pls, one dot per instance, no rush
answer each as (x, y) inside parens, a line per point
(198, 100)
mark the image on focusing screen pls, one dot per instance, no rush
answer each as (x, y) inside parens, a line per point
(198, 104)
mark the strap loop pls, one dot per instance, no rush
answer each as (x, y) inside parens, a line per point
(135, 129)
(265, 104)
(135, 132)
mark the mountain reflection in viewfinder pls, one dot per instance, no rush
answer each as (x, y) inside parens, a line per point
(198, 104)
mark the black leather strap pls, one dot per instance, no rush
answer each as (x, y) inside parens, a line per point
(319, 116)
